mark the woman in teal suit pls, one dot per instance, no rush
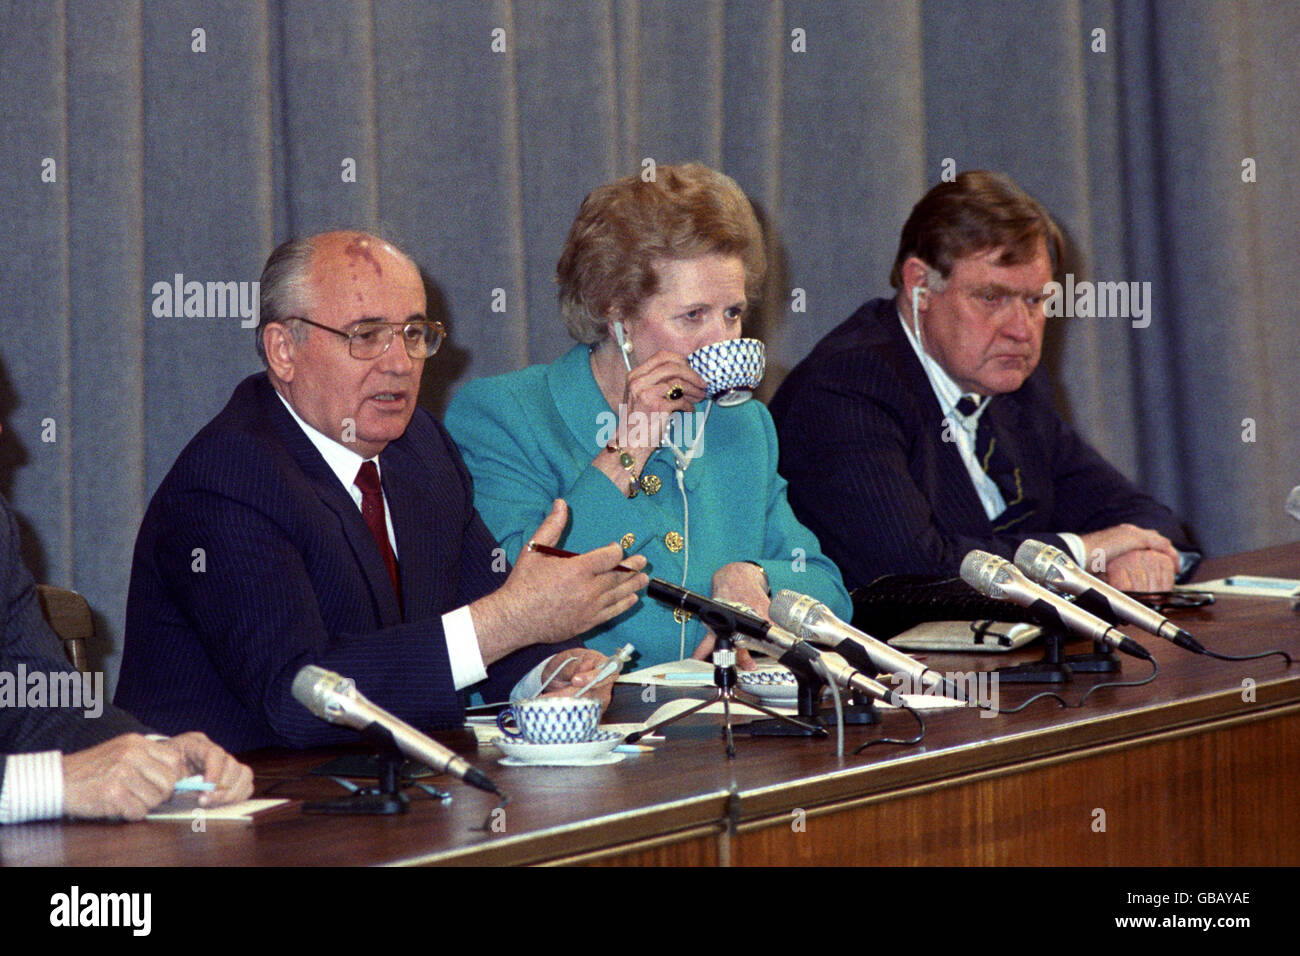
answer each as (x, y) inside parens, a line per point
(621, 426)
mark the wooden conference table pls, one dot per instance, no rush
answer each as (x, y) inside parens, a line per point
(1201, 766)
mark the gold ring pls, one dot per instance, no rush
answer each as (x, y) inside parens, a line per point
(674, 393)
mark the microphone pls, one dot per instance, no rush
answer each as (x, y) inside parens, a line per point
(1293, 503)
(813, 621)
(1053, 567)
(753, 630)
(335, 699)
(999, 578)
(717, 615)
(788, 648)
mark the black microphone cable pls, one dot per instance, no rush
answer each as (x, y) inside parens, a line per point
(894, 740)
(1246, 657)
(1155, 669)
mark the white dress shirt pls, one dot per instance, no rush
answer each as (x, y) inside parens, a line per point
(458, 626)
(963, 427)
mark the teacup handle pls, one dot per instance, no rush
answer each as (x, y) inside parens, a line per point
(509, 713)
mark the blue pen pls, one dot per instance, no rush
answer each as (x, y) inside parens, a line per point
(672, 676)
(194, 784)
(1279, 583)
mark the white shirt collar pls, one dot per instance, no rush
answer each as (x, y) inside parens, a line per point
(947, 391)
(343, 461)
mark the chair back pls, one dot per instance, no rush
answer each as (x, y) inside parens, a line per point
(68, 614)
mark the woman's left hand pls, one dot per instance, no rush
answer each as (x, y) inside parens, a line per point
(577, 668)
(739, 583)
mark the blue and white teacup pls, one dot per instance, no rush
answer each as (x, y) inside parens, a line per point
(731, 369)
(551, 720)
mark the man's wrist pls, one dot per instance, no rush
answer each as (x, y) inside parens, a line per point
(493, 626)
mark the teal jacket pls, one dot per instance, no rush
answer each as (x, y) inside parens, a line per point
(529, 437)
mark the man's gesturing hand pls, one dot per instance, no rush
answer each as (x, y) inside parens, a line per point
(547, 599)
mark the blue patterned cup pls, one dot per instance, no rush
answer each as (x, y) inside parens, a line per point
(731, 369)
(551, 720)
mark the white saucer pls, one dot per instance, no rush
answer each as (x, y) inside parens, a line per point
(527, 752)
(601, 761)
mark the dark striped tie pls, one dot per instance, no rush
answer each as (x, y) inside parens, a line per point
(998, 465)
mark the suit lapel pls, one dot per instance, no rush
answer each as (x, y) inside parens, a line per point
(409, 509)
(955, 502)
(331, 493)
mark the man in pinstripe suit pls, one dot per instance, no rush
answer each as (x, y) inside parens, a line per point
(60, 760)
(920, 428)
(323, 518)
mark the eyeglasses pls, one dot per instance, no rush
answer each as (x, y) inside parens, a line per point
(369, 340)
(995, 299)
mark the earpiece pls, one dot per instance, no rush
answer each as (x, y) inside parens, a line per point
(918, 293)
(624, 343)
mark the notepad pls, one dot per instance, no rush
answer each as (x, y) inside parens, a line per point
(240, 812)
(1247, 585)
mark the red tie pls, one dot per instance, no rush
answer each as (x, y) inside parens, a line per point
(372, 510)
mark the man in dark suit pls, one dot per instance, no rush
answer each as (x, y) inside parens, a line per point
(80, 758)
(323, 518)
(919, 429)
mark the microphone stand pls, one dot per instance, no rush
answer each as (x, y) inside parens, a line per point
(1103, 659)
(386, 797)
(723, 624)
(1057, 667)
(858, 711)
(1054, 667)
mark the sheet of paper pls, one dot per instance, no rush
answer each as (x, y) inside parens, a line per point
(1247, 585)
(235, 811)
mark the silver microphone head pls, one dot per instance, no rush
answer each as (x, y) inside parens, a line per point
(794, 611)
(1293, 503)
(1042, 562)
(319, 691)
(987, 573)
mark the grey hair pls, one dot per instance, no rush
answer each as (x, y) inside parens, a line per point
(285, 291)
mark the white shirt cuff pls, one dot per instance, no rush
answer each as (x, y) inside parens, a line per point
(1077, 550)
(33, 787)
(462, 648)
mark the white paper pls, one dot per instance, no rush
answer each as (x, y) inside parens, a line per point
(1249, 585)
(243, 811)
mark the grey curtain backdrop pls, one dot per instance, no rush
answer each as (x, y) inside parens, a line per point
(141, 142)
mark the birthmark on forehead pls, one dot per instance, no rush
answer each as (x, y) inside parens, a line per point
(359, 248)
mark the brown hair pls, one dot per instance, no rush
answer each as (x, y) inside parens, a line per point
(623, 227)
(978, 211)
